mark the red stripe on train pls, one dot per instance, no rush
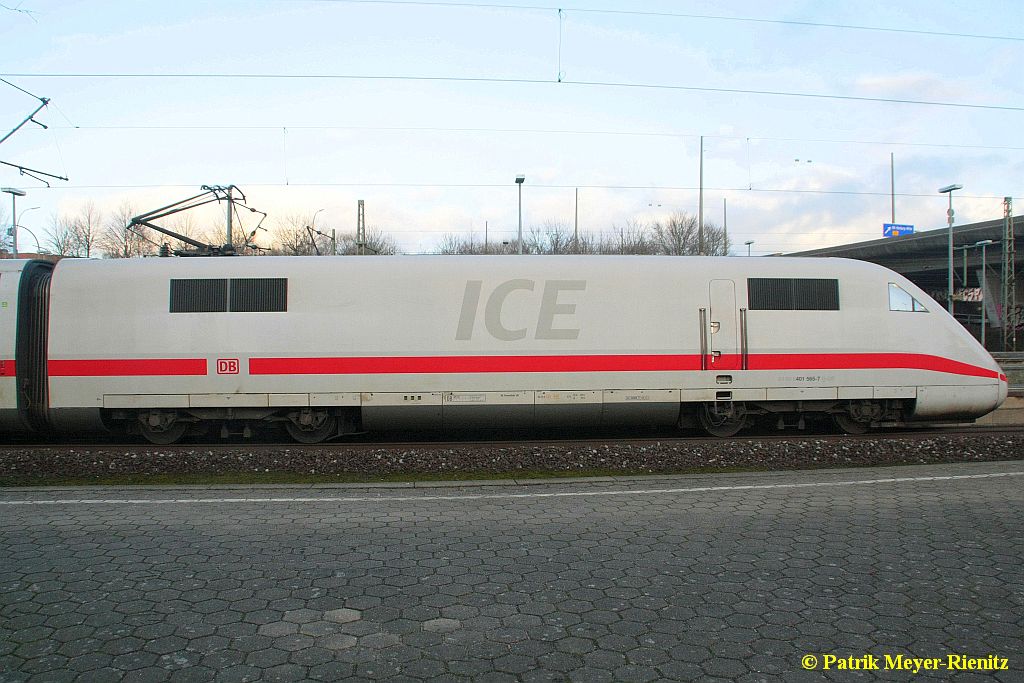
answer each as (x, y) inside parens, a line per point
(512, 364)
(8, 368)
(607, 363)
(133, 367)
(470, 364)
(866, 361)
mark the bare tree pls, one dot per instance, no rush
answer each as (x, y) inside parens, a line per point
(631, 238)
(376, 243)
(676, 235)
(62, 240)
(87, 227)
(554, 237)
(5, 223)
(679, 235)
(77, 235)
(184, 224)
(586, 243)
(453, 243)
(120, 241)
(716, 240)
(291, 238)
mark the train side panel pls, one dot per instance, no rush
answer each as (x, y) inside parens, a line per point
(923, 356)
(430, 335)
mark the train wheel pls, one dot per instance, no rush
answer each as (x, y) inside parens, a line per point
(720, 423)
(850, 425)
(311, 427)
(162, 427)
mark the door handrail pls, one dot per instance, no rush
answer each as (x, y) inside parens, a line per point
(744, 350)
(703, 339)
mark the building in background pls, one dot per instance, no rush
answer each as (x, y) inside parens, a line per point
(923, 258)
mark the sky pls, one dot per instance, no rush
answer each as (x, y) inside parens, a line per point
(428, 110)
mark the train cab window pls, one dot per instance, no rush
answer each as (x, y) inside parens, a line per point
(901, 300)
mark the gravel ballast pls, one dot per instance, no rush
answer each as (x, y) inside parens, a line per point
(37, 465)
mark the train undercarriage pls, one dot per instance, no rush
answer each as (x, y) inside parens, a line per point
(315, 425)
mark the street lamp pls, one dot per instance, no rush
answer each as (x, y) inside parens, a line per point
(520, 179)
(15, 193)
(311, 229)
(18, 226)
(39, 248)
(748, 243)
(948, 190)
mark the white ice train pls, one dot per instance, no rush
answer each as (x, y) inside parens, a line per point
(329, 346)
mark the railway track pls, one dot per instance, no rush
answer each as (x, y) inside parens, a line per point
(385, 458)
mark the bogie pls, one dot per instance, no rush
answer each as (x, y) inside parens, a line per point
(162, 427)
(722, 419)
(850, 425)
(311, 426)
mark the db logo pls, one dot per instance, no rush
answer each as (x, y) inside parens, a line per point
(227, 366)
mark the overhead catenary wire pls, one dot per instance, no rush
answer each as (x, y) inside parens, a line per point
(749, 188)
(33, 173)
(682, 15)
(530, 131)
(60, 154)
(501, 185)
(31, 14)
(16, 87)
(515, 81)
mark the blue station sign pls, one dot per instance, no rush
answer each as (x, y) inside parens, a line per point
(896, 229)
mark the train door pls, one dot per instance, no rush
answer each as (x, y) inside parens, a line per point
(33, 332)
(722, 318)
(24, 301)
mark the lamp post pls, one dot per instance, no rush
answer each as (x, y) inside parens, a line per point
(700, 203)
(948, 190)
(748, 243)
(576, 224)
(312, 240)
(520, 179)
(15, 193)
(39, 248)
(18, 226)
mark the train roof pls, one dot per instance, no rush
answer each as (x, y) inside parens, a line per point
(547, 265)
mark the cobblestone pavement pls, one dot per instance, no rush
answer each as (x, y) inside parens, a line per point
(725, 577)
